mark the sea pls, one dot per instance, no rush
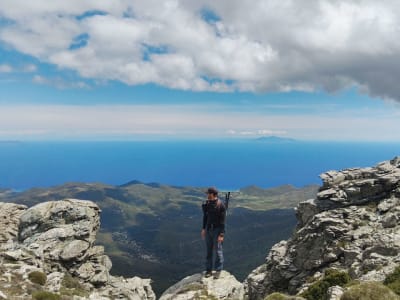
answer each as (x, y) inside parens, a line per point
(228, 165)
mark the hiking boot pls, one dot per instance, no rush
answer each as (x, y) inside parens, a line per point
(217, 274)
(208, 274)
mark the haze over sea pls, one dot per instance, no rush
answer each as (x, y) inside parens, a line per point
(225, 164)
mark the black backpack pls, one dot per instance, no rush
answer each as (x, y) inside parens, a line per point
(225, 202)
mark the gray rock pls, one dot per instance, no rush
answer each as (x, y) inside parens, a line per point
(13, 255)
(386, 205)
(335, 292)
(306, 210)
(54, 281)
(352, 225)
(199, 287)
(100, 278)
(120, 288)
(390, 220)
(71, 219)
(9, 221)
(57, 238)
(74, 250)
(3, 296)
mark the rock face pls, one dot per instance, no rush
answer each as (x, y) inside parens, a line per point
(57, 239)
(199, 287)
(9, 220)
(352, 225)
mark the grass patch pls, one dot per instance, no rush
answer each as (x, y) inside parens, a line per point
(392, 281)
(279, 296)
(318, 290)
(37, 277)
(71, 286)
(369, 291)
(45, 295)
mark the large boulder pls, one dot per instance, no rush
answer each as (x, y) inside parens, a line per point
(60, 221)
(352, 225)
(199, 287)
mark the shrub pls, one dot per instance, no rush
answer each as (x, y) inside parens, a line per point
(318, 290)
(44, 295)
(279, 296)
(71, 286)
(276, 296)
(37, 277)
(369, 291)
(70, 282)
(393, 281)
(335, 277)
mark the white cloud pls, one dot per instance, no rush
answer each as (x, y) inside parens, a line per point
(259, 132)
(256, 45)
(5, 69)
(29, 68)
(59, 82)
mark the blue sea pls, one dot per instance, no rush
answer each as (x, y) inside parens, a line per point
(227, 164)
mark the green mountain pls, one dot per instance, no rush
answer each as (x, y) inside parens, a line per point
(153, 230)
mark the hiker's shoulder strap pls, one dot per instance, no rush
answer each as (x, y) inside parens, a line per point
(221, 205)
(204, 206)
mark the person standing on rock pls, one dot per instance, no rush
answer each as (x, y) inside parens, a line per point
(214, 214)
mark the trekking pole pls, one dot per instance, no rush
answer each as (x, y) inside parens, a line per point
(228, 197)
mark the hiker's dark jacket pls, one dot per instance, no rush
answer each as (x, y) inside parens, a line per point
(214, 213)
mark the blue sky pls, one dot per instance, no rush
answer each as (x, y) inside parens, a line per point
(122, 70)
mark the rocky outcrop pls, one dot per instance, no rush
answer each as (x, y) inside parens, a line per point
(352, 225)
(56, 240)
(199, 287)
(9, 220)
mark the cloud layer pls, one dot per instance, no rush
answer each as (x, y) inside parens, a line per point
(39, 122)
(209, 45)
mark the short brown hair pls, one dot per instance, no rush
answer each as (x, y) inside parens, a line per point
(212, 190)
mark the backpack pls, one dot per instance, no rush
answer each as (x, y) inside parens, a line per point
(219, 203)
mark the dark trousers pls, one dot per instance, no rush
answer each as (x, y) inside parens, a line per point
(214, 250)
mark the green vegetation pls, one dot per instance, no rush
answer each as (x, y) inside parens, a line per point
(319, 289)
(279, 296)
(276, 296)
(369, 291)
(343, 244)
(44, 295)
(71, 286)
(393, 281)
(37, 277)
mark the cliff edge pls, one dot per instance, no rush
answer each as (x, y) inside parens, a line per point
(351, 226)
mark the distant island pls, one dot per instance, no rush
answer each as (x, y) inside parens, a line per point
(275, 139)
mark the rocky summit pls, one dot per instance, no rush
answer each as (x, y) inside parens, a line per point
(48, 252)
(351, 226)
(199, 287)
